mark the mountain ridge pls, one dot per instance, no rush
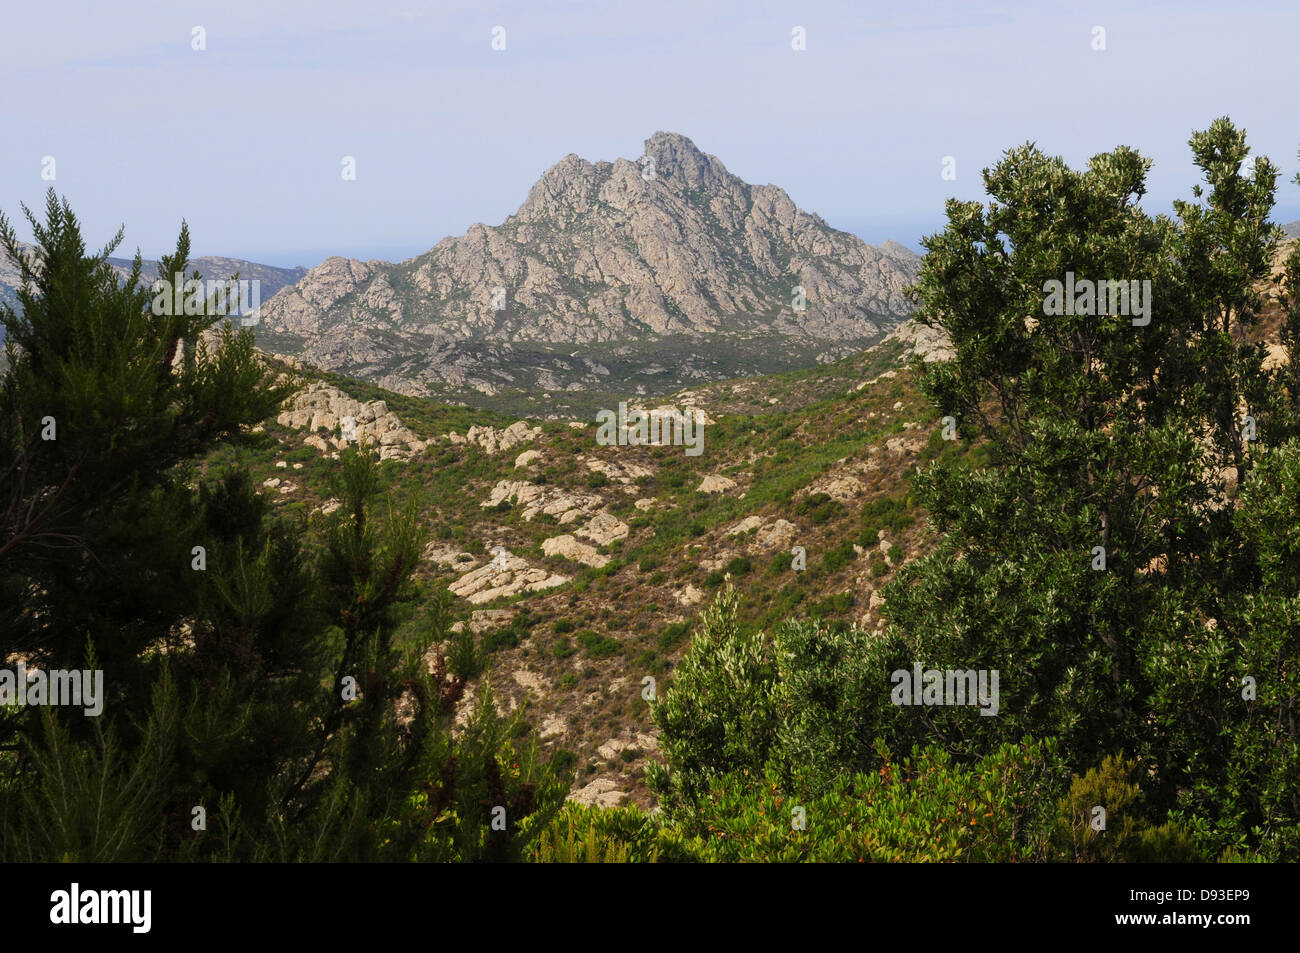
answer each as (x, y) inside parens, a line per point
(654, 253)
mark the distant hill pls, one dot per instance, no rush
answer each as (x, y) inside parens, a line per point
(209, 266)
(1292, 230)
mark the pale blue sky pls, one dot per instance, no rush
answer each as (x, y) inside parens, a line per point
(246, 137)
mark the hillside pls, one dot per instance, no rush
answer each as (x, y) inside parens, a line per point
(582, 568)
(633, 276)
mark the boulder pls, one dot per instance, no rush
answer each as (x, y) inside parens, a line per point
(715, 484)
(603, 529)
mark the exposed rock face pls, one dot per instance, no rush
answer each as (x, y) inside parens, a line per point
(569, 547)
(745, 525)
(715, 484)
(618, 472)
(929, 344)
(348, 421)
(552, 501)
(603, 529)
(841, 488)
(689, 596)
(450, 556)
(495, 441)
(767, 534)
(780, 535)
(505, 575)
(602, 792)
(669, 244)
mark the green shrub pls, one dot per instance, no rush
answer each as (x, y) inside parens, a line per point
(780, 563)
(598, 646)
(563, 763)
(818, 508)
(839, 557)
(1130, 833)
(739, 566)
(924, 808)
(673, 635)
(585, 834)
(505, 638)
(464, 659)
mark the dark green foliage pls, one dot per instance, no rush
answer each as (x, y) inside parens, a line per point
(755, 726)
(1090, 425)
(465, 659)
(838, 557)
(739, 566)
(673, 635)
(598, 646)
(817, 507)
(890, 513)
(262, 679)
(503, 638)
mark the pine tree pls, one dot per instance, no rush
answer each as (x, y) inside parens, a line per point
(253, 681)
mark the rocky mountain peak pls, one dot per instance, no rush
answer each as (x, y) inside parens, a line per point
(676, 159)
(570, 183)
(649, 273)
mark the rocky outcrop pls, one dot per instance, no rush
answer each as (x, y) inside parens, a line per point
(603, 529)
(504, 575)
(764, 534)
(568, 547)
(566, 506)
(716, 484)
(493, 441)
(602, 792)
(689, 596)
(621, 472)
(346, 421)
(918, 340)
